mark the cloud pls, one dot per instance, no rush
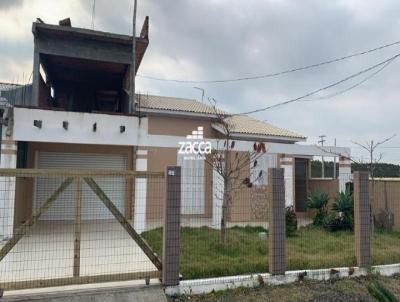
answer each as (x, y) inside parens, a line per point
(217, 39)
(8, 4)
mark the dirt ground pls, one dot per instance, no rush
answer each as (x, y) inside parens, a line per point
(353, 289)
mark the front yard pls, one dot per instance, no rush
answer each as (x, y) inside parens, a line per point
(247, 252)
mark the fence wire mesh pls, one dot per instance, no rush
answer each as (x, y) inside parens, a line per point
(63, 227)
(222, 235)
(385, 204)
(60, 227)
(325, 234)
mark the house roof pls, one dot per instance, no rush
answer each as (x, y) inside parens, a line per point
(243, 124)
(240, 125)
(156, 102)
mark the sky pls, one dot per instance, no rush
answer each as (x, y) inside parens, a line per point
(224, 39)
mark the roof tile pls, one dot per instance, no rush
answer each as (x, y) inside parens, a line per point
(240, 124)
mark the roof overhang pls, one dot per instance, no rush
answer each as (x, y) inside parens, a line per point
(259, 137)
(176, 113)
(89, 44)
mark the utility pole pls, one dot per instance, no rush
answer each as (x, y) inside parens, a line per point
(334, 163)
(133, 65)
(322, 141)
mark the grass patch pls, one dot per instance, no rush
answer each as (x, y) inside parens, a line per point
(385, 247)
(245, 252)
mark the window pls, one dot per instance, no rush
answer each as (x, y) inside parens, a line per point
(259, 174)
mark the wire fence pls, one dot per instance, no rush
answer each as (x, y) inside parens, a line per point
(319, 235)
(385, 239)
(219, 239)
(65, 227)
(325, 230)
(62, 227)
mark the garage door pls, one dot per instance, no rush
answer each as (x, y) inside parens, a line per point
(92, 208)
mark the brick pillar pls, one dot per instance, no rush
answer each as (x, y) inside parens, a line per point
(277, 221)
(171, 240)
(362, 219)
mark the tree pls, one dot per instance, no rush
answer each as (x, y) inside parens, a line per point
(373, 160)
(231, 164)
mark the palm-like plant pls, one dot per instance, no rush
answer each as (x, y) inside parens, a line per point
(319, 202)
(344, 207)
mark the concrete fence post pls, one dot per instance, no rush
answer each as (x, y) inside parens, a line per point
(362, 220)
(277, 221)
(171, 237)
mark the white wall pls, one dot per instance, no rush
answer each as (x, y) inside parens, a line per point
(80, 127)
(7, 184)
(136, 134)
(139, 219)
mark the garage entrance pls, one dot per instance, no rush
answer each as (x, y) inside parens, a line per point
(92, 209)
(77, 232)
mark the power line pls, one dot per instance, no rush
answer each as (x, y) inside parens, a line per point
(269, 75)
(390, 60)
(349, 88)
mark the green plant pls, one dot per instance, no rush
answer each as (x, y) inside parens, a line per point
(380, 293)
(318, 201)
(334, 222)
(342, 215)
(344, 205)
(291, 221)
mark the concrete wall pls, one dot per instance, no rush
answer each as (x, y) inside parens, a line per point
(158, 125)
(328, 186)
(80, 127)
(387, 192)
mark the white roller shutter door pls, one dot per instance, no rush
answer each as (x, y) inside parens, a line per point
(92, 208)
(192, 185)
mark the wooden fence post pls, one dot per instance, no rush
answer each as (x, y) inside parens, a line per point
(362, 219)
(171, 238)
(277, 221)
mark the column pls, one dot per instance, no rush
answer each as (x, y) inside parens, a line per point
(344, 172)
(362, 218)
(277, 222)
(8, 159)
(171, 238)
(287, 162)
(139, 219)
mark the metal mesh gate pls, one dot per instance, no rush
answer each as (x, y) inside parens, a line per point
(61, 227)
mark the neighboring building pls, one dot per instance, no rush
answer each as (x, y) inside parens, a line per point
(80, 116)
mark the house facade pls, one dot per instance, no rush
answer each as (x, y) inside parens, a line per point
(79, 114)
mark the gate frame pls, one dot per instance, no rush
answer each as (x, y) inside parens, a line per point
(79, 176)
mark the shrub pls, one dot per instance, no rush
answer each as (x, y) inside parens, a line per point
(334, 222)
(342, 215)
(291, 221)
(319, 202)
